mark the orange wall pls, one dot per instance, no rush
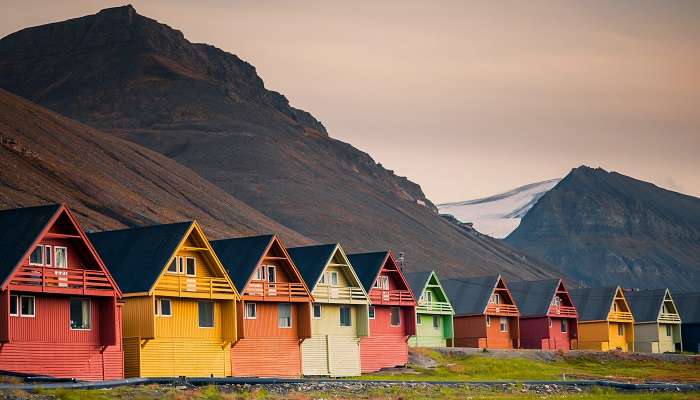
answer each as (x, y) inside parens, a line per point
(266, 357)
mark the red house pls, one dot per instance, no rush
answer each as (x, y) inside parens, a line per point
(548, 317)
(485, 314)
(392, 315)
(59, 307)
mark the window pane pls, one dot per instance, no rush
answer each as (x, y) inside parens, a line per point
(27, 306)
(503, 324)
(564, 326)
(173, 266)
(79, 314)
(395, 316)
(206, 314)
(419, 319)
(371, 312)
(271, 274)
(47, 255)
(166, 307)
(317, 311)
(285, 315)
(37, 256)
(436, 321)
(345, 316)
(191, 266)
(61, 257)
(13, 305)
(334, 278)
(250, 310)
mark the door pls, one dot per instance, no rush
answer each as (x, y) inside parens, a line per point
(272, 279)
(61, 261)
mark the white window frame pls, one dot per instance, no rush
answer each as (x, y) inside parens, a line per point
(436, 322)
(159, 307)
(391, 321)
(385, 282)
(19, 309)
(503, 321)
(377, 284)
(194, 264)
(495, 298)
(418, 319)
(89, 314)
(248, 307)
(556, 301)
(322, 280)
(291, 316)
(334, 275)
(271, 272)
(260, 273)
(488, 320)
(428, 296)
(16, 297)
(55, 259)
(43, 256)
(669, 331)
(49, 250)
(371, 312)
(313, 311)
(340, 316)
(174, 262)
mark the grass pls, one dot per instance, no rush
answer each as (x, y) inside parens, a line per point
(475, 367)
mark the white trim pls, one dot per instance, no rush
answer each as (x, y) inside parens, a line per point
(291, 316)
(340, 313)
(21, 314)
(194, 260)
(273, 269)
(503, 321)
(436, 318)
(337, 278)
(40, 264)
(418, 319)
(313, 311)
(391, 322)
(16, 314)
(159, 307)
(173, 262)
(89, 328)
(48, 250)
(255, 311)
(55, 259)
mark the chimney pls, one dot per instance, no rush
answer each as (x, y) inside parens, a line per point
(402, 259)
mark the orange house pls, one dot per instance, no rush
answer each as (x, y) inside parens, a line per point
(274, 315)
(485, 313)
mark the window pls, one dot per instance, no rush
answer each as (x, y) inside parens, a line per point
(260, 273)
(668, 330)
(429, 296)
(251, 310)
(42, 255)
(495, 299)
(173, 266)
(436, 321)
(370, 312)
(419, 320)
(564, 326)
(615, 306)
(284, 315)
(61, 257)
(550, 322)
(377, 283)
(556, 301)
(323, 279)
(206, 314)
(80, 314)
(334, 278)
(488, 320)
(345, 316)
(503, 324)
(395, 316)
(271, 273)
(164, 307)
(47, 256)
(317, 311)
(620, 330)
(191, 266)
(14, 310)
(26, 308)
(385, 282)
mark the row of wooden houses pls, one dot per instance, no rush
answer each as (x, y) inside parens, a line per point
(163, 300)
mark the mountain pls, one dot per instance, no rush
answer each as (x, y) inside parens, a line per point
(109, 182)
(498, 215)
(209, 110)
(604, 228)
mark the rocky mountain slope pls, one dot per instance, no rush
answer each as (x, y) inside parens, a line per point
(109, 182)
(498, 215)
(209, 110)
(604, 228)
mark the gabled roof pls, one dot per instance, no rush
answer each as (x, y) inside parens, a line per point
(418, 281)
(593, 304)
(646, 304)
(20, 228)
(241, 255)
(312, 260)
(368, 266)
(136, 257)
(688, 305)
(534, 297)
(470, 296)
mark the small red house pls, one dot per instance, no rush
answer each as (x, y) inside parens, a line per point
(548, 317)
(392, 315)
(59, 310)
(485, 313)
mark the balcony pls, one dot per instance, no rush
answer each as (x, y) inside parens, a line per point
(435, 307)
(84, 282)
(344, 295)
(668, 317)
(276, 291)
(194, 287)
(563, 311)
(391, 297)
(502, 309)
(620, 316)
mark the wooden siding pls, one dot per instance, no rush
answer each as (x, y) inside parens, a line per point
(383, 351)
(266, 322)
(266, 357)
(429, 336)
(132, 357)
(624, 342)
(139, 318)
(652, 338)
(185, 357)
(593, 336)
(469, 330)
(535, 333)
(184, 323)
(333, 349)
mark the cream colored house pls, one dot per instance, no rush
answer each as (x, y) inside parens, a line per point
(657, 325)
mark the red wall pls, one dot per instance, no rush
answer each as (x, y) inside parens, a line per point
(387, 345)
(535, 333)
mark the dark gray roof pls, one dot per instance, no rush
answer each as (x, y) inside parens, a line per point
(367, 266)
(136, 257)
(469, 296)
(311, 261)
(19, 229)
(593, 304)
(688, 305)
(645, 304)
(240, 256)
(533, 298)
(417, 281)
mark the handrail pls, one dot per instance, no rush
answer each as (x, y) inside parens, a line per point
(623, 316)
(185, 285)
(61, 279)
(335, 293)
(508, 309)
(391, 297)
(669, 317)
(276, 291)
(433, 306)
(567, 311)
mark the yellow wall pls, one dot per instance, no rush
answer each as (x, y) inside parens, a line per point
(623, 342)
(185, 356)
(593, 335)
(329, 323)
(184, 323)
(138, 318)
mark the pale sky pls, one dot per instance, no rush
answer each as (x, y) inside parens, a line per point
(467, 98)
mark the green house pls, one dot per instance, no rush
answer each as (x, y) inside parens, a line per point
(434, 313)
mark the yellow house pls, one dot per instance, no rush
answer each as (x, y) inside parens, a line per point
(605, 319)
(179, 313)
(340, 313)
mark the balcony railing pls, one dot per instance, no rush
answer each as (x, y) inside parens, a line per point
(502, 309)
(275, 291)
(62, 280)
(391, 297)
(194, 286)
(668, 317)
(334, 294)
(434, 306)
(564, 311)
(620, 316)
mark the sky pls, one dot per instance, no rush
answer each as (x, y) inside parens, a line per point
(466, 98)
